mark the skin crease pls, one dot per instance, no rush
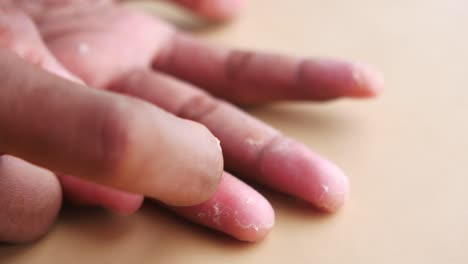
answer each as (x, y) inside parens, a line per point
(82, 36)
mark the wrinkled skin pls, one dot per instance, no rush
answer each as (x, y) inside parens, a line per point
(106, 46)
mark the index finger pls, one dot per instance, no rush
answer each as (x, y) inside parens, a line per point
(110, 139)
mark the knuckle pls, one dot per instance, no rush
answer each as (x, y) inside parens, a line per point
(125, 83)
(198, 106)
(117, 135)
(236, 63)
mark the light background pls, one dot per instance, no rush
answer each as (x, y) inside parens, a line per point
(406, 152)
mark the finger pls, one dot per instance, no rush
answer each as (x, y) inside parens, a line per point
(253, 77)
(235, 209)
(214, 9)
(250, 148)
(30, 199)
(20, 35)
(83, 192)
(110, 139)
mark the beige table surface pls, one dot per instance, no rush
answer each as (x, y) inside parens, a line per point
(406, 153)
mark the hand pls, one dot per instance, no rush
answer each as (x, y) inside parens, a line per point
(123, 141)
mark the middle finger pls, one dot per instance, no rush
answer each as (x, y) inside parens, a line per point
(251, 148)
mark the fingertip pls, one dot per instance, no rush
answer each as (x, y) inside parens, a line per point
(334, 188)
(235, 209)
(292, 168)
(212, 177)
(369, 82)
(253, 217)
(325, 185)
(206, 169)
(255, 222)
(330, 79)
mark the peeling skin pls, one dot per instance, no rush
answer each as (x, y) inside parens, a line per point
(219, 144)
(252, 146)
(254, 142)
(324, 193)
(83, 48)
(217, 214)
(283, 147)
(201, 215)
(332, 202)
(245, 226)
(252, 226)
(235, 209)
(328, 199)
(292, 168)
(249, 226)
(325, 188)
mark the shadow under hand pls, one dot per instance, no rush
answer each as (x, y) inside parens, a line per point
(86, 234)
(303, 118)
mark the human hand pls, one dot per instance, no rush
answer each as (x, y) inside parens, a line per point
(131, 146)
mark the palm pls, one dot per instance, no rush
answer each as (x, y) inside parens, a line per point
(83, 43)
